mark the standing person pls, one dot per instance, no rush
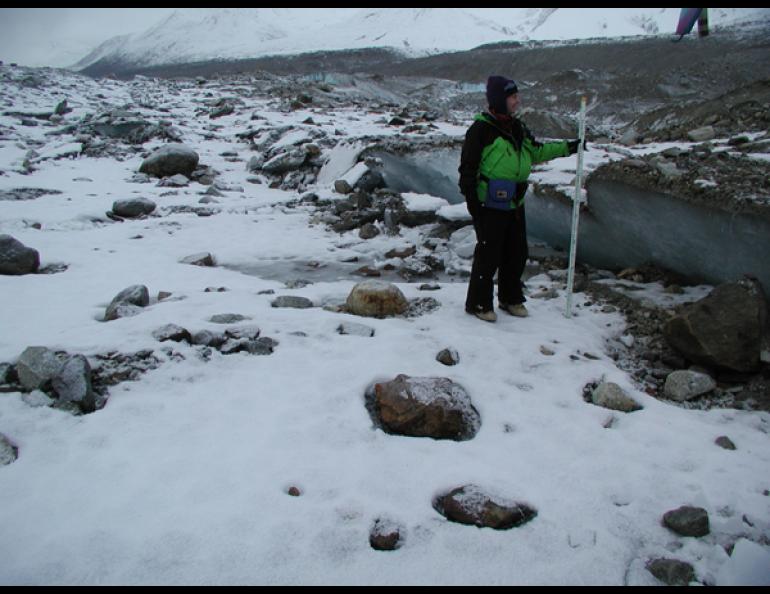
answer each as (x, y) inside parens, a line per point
(497, 157)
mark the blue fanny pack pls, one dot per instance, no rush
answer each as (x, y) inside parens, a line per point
(500, 194)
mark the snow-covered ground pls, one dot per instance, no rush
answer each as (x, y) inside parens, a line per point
(182, 477)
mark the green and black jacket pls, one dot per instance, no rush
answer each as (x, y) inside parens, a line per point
(494, 150)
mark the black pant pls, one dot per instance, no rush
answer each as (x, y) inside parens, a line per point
(502, 247)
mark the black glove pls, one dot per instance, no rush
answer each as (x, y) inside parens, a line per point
(572, 145)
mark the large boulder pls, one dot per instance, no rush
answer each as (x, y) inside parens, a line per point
(471, 506)
(424, 407)
(724, 329)
(170, 160)
(16, 258)
(376, 299)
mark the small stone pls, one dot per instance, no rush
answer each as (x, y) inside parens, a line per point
(385, 535)
(725, 442)
(448, 357)
(612, 396)
(294, 492)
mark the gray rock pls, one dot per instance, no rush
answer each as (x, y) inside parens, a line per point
(208, 338)
(629, 137)
(128, 302)
(612, 396)
(255, 164)
(199, 259)
(376, 299)
(687, 521)
(685, 385)
(16, 258)
(702, 134)
(368, 231)
(225, 108)
(8, 452)
(175, 181)
(469, 505)
(250, 332)
(170, 160)
(292, 301)
(672, 572)
(173, 333)
(36, 367)
(341, 186)
(425, 407)
(284, 162)
(72, 384)
(370, 181)
(724, 329)
(133, 207)
(448, 357)
(121, 310)
(227, 318)
(355, 329)
(669, 170)
(261, 346)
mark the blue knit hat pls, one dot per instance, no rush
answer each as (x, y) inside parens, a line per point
(499, 89)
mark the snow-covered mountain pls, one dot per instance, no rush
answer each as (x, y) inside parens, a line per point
(194, 34)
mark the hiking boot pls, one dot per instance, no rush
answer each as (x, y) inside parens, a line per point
(487, 316)
(517, 309)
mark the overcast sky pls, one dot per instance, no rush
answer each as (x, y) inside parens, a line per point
(62, 36)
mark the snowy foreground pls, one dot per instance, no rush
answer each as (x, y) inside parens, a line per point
(182, 477)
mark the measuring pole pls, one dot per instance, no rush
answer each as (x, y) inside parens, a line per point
(576, 206)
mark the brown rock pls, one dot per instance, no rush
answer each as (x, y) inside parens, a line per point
(425, 407)
(471, 506)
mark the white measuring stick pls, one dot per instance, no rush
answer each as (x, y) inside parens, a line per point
(576, 207)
